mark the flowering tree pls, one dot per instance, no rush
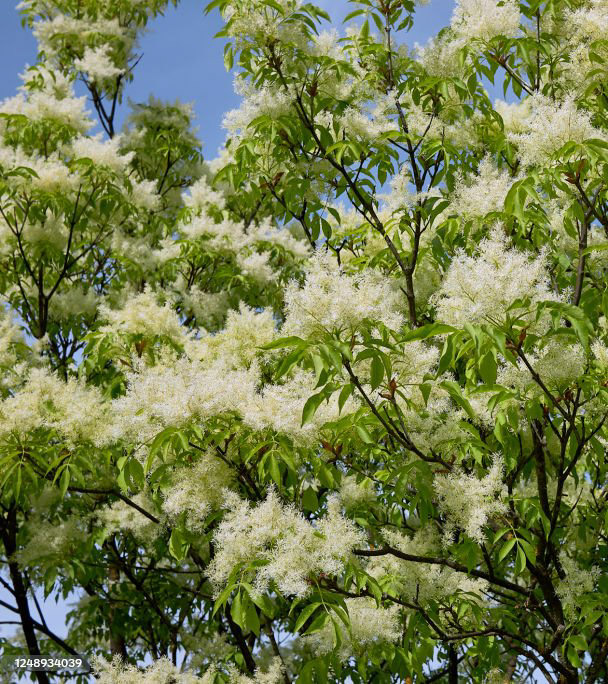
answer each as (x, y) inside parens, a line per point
(331, 407)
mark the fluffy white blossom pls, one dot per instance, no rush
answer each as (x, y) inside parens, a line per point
(480, 288)
(208, 308)
(354, 493)
(483, 192)
(256, 265)
(485, 19)
(160, 672)
(122, 516)
(97, 64)
(74, 301)
(74, 410)
(51, 173)
(174, 392)
(422, 581)
(577, 582)
(332, 300)
(52, 542)
(238, 343)
(263, 102)
(53, 101)
(514, 115)
(469, 502)
(549, 126)
(367, 126)
(292, 549)
(559, 363)
(369, 624)
(272, 675)
(280, 407)
(142, 315)
(102, 152)
(197, 490)
(590, 21)
(600, 352)
(200, 196)
(441, 56)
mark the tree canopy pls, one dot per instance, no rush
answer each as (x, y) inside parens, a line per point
(330, 407)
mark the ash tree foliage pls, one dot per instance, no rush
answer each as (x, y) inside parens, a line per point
(331, 406)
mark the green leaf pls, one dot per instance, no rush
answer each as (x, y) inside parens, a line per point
(311, 406)
(178, 545)
(222, 598)
(447, 355)
(345, 392)
(488, 368)
(455, 392)
(318, 623)
(528, 550)
(284, 342)
(252, 621)
(228, 57)
(364, 434)
(506, 547)
(520, 561)
(377, 372)
(237, 611)
(310, 502)
(578, 641)
(305, 615)
(262, 602)
(429, 330)
(573, 657)
(64, 481)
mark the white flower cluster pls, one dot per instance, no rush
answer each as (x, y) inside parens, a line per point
(331, 300)
(97, 64)
(367, 125)
(141, 315)
(577, 582)
(239, 342)
(559, 363)
(600, 352)
(485, 19)
(52, 174)
(256, 103)
(589, 22)
(369, 624)
(514, 115)
(102, 152)
(482, 193)
(480, 288)
(122, 516)
(422, 581)
(51, 542)
(49, 32)
(280, 407)
(174, 392)
(160, 672)
(263, 21)
(197, 490)
(272, 675)
(11, 339)
(441, 56)
(354, 493)
(548, 126)
(469, 502)
(291, 549)
(46, 96)
(72, 409)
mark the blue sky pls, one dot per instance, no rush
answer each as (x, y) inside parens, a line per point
(182, 60)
